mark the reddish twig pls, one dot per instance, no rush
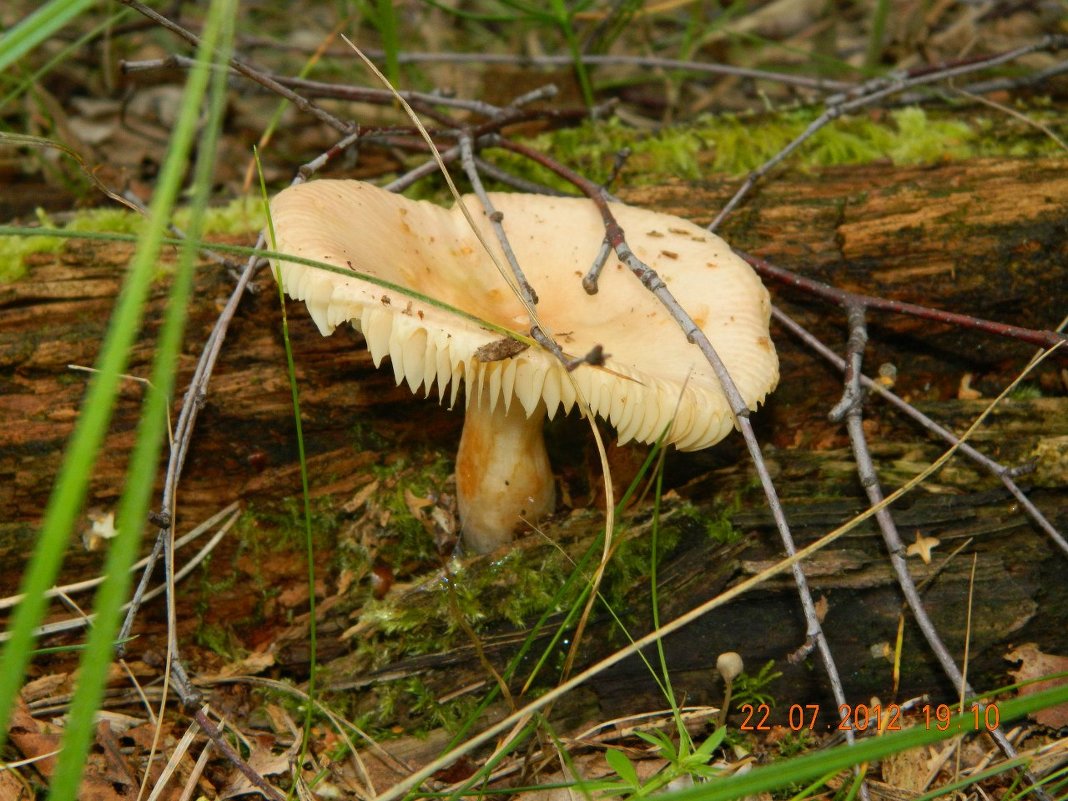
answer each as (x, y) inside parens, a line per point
(844, 298)
(213, 733)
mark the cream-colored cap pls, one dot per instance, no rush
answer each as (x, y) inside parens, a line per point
(652, 374)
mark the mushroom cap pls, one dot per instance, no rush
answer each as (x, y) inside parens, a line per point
(730, 665)
(652, 378)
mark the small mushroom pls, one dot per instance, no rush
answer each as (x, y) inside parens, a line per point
(653, 378)
(730, 666)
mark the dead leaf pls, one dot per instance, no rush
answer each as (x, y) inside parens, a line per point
(966, 391)
(1034, 665)
(264, 761)
(500, 349)
(281, 722)
(103, 779)
(922, 547)
(253, 664)
(360, 498)
(34, 738)
(11, 789)
(907, 770)
(415, 504)
(294, 595)
(346, 578)
(45, 687)
(821, 608)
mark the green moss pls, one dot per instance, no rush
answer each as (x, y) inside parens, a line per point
(1026, 392)
(485, 594)
(219, 639)
(736, 144)
(717, 527)
(422, 475)
(15, 249)
(243, 215)
(445, 604)
(754, 688)
(411, 701)
(240, 216)
(797, 742)
(266, 529)
(510, 591)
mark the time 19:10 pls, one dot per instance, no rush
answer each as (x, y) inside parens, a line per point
(983, 717)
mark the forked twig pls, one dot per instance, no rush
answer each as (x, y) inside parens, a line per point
(1003, 473)
(850, 408)
(614, 236)
(250, 773)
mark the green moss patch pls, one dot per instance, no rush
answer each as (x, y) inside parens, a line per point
(736, 144)
(242, 215)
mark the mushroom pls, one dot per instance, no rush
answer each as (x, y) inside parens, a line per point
(653, 380)
(730, 666)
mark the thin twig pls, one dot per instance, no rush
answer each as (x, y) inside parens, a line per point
(428, 167)
(614, 235)
(467, 160)
(1042, 339)
(815, 83)
(1009, 84)
(247, 70)
(851, 407)
(515, 181)
(872, 92)
(83, 620)
(320, 89)
(1003, 473)
(88, 584)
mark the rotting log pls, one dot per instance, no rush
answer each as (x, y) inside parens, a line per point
(981, 237)
(987, 238)
(1013, 591)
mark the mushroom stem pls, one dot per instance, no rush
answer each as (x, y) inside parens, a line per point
(502, 473)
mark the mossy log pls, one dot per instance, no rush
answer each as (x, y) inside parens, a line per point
(1010, 594)
(988, 238)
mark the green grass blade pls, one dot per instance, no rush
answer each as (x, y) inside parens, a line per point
(37, 27)
(61, 57)
(138, 490)
(69, 491)
(387, 29)
(875, 37)
(814, 765)
(291, 368)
